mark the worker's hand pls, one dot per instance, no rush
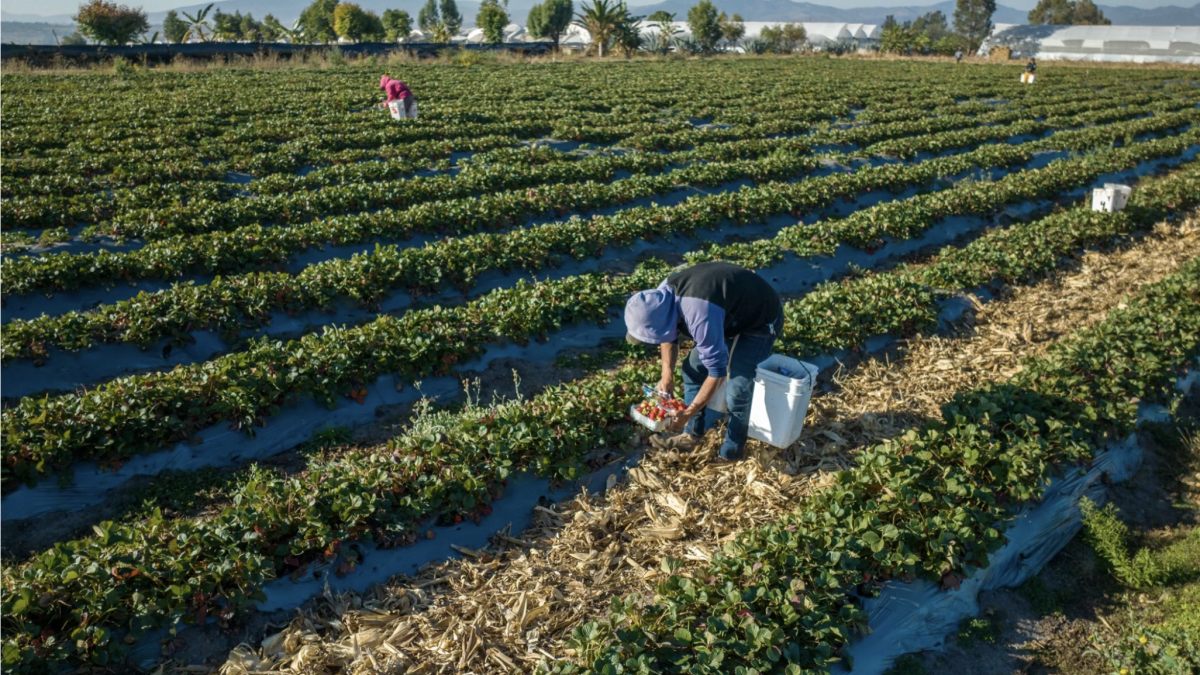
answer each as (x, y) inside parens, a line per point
(667, 386)
(679, 419)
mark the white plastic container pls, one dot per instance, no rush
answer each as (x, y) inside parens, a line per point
(1110, 198)
(646, 421)
(396, 108)
(781, 401)
(717, 403)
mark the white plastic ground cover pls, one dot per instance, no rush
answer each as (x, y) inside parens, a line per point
(238, 178)
(65, 370)
(513, 512)
(296, 423)
(920, 616)
(32, 306)
(221, 446)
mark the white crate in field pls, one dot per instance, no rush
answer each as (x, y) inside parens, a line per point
(781, 400)
(1112, 197)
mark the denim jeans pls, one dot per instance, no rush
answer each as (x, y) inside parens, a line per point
(751, 350)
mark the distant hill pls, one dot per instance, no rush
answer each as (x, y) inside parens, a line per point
(33, 33)
(1159, 16)
(786, 10)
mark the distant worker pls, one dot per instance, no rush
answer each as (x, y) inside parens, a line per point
(734, 316)
(1028, 75)
(958, 56)
(400, 99)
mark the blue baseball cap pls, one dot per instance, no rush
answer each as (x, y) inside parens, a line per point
(651, 317)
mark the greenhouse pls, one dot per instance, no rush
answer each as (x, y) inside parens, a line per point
(1131, 44)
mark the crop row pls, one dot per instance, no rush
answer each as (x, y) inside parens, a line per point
(256, 247)
(159, 571)
(373, 171)
(343, 174)
(131, 167)
(232, 304)
(306, 116)
(62, 210)
(933, 503)
(152, 213)
(291, 115)
(244, 388)
(143, 212)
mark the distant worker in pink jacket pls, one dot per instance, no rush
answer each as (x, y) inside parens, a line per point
(400, 99)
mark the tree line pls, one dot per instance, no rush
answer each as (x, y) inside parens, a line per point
(611, 24)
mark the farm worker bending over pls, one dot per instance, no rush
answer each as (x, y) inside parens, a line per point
(734, 317)
(399, 97)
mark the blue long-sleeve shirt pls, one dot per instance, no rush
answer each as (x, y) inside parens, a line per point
(718, 301)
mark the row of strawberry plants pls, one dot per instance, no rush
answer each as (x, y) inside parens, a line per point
(53, 432)
(1013, 254)
(65, 213)
(24, 167)
(314, 106)
(232, 304)
(867, 229)
(202, 215)
(908, 148)
(342, 174)
(151, 213)
(932, 504)
(253, 247)
(145, 213)
(275, 525)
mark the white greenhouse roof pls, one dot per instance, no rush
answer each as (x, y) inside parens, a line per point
(1135, 44)
(818, 33)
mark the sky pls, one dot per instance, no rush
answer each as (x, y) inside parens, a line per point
(66, 7)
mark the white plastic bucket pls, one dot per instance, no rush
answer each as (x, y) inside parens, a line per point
(781, 401)
(396, 108)
(1110, 198)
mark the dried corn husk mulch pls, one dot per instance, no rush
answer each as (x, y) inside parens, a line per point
(510, 607)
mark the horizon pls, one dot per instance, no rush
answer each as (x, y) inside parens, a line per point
(45, 10)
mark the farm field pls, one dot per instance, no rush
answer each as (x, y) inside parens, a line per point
(241, 308)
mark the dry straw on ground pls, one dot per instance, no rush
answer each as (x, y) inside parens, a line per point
(513, 605)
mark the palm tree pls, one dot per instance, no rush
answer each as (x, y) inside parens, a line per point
(197, 24)
(628, 35)
(442, 32)
(601, 20)
(667, 35)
